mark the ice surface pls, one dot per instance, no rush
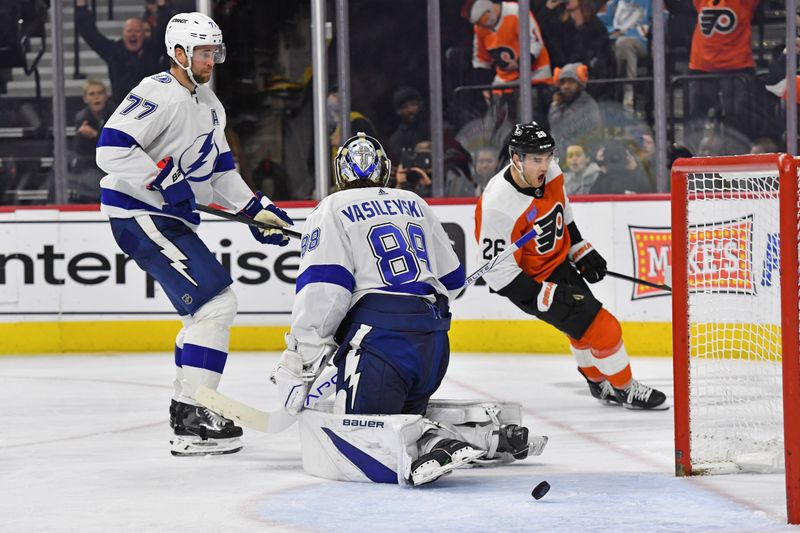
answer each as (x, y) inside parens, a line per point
(83, 447)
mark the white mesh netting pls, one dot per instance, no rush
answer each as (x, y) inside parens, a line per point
(735, 388)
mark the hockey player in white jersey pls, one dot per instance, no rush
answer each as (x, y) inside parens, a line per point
(164, 149)
(377, 274)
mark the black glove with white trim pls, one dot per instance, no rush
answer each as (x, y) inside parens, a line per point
(589, 263)
(557, 302)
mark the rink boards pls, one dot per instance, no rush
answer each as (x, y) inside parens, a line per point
(65, 286)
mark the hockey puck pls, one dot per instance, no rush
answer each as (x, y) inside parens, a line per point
(540, 490)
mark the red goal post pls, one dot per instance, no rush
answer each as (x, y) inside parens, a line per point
(735, 319)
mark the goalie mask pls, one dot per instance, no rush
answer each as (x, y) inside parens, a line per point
(361, 158)
(530, 139)
(190, 30)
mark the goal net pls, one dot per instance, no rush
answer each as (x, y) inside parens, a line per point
(735, 354)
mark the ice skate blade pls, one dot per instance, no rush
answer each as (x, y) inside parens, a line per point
(608, 403)
(187, 446)
(663, 407)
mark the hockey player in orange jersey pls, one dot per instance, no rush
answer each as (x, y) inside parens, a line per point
(547, 277)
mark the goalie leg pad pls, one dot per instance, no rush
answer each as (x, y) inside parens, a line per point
(365, 448)
(492, 426)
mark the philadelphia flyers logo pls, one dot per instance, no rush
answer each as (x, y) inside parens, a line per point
(717, 19)
(504, 58)
(552, 225)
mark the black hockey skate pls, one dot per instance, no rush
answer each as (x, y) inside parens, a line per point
(173, 414)
(639, 396)
(200, 431)
(603, 392)
(445, 456)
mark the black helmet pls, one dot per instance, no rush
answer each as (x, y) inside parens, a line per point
(530, 139)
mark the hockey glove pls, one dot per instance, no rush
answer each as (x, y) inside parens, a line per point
(292, 381)
(558, 302)
(176, 191)
(589, 263)
(295, 372)
(259, 208)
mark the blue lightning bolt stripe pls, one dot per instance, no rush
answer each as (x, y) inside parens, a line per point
(168, 248)
(205, 150)
(351, 374)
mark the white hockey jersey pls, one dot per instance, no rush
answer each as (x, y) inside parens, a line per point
(503, 214)
(368, 240)
(161, 118)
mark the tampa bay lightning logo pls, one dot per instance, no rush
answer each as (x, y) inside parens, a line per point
(163, 77)
(197, 161)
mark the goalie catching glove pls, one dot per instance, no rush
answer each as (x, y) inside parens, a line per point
(296, 370)
(589, 263)
(176, 191)
(260, 209)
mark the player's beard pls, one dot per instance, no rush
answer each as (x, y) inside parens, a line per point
(201, 78)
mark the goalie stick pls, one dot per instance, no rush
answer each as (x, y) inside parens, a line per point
(245, 220)
(325, 382)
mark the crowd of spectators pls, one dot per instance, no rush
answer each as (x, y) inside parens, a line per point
(590, 61)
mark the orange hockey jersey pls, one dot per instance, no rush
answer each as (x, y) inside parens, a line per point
(721, 39)
(498, 48)
(504, 214)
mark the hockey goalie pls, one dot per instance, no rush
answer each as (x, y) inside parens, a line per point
(377, 274)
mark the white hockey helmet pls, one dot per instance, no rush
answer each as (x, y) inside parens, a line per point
(189, 30)
(361, 158)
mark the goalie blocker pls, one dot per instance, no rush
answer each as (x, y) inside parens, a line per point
(387, 449)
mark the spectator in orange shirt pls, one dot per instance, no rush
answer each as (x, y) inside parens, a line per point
(721, 45)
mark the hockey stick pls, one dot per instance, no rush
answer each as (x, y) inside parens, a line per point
(516, 245)
(325, 382)
(245, 220)
(639, 281)
(265, 421)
